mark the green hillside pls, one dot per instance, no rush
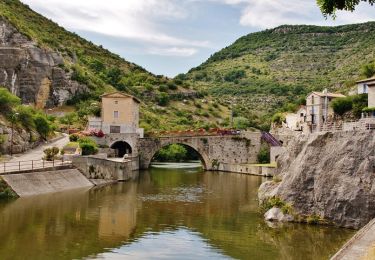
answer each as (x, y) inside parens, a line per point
(165, 102)
(263, 71)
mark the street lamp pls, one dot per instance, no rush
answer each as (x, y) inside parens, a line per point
(13, 118)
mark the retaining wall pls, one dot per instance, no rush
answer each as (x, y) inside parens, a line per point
(99, 168)
(35, 183)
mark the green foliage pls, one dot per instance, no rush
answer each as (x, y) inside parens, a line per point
(368, 109)
(51, 153)
(314, 219)
(241, 123)
(163, 99)
(42, 126)
(329, 7)
(7, 100)
(171, 153)
(26, 117)
(354, 103)
(368, 70)
(73, 138)
(273, 202)
(88, 146)
(264, 155)
(5, 191)
(278, 119)
(234, 75)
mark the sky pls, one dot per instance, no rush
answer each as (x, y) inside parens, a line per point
(168, 37)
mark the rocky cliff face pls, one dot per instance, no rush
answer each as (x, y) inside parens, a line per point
(330, 175)
(33, 73)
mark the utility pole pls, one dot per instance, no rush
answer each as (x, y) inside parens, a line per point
(14, 116)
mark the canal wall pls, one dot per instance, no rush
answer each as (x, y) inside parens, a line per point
(251, 169)
(104, 169)
(360, 246)
(42, 182)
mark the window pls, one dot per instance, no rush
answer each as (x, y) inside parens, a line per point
(114, 129)
(115, 114)
(312, 100)
(116, 102)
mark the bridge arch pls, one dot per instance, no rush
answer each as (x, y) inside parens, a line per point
(122, 148)
(202, 155)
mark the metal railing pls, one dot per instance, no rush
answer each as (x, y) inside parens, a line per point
(20, 166)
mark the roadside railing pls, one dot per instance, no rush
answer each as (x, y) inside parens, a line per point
(20, 166)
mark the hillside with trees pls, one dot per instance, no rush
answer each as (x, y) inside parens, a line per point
(166, 103)
(273, 70)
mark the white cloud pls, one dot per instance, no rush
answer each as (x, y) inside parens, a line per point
(271, 13)
(131, 19)
(173, 51)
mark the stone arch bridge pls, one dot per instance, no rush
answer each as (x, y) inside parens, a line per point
(217, 152)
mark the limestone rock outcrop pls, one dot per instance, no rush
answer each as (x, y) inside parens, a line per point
(32, 73)
(330, 175)
(276, 214)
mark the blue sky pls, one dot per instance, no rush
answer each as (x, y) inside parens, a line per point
(171, 36)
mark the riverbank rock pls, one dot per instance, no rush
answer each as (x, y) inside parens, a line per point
(276, 214)
(328, 176)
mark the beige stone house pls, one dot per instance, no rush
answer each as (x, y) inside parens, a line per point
(120, 115)
(319, 110)
(367, 86)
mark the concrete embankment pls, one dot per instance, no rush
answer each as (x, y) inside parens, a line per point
(34, 183)
(361, 246)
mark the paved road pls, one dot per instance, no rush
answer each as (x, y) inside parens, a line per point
(37, 153)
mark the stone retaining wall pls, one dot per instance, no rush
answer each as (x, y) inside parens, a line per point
(99, 168)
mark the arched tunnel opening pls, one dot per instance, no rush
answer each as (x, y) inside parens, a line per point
(122, 148)
(177, 153)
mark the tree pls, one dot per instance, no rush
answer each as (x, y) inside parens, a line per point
(329, 7)
(342, 105)
(241, 123)
(368, 70)
(42, 126)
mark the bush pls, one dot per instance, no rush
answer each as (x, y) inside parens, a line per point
(163, 99)
(278, 118)
(42, 126)
(172, 153)
(26, 117)
(264, 155)
(51, 153)
(73, 138)
(241, 123)
(368, 70)
(88, 146)
(8, 100)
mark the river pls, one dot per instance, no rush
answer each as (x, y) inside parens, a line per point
(168, 212)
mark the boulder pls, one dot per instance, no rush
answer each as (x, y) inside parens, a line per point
(329, 175)
(276, 214)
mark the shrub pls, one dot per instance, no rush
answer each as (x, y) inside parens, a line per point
(264, 155)
(51, 153)
(241, 123)
(26, 116)
(73, 138)
(342, 105)
(163, 99)
(8, 100)
(368, 70)
(42, 126)
(278, 118)
(88, 146)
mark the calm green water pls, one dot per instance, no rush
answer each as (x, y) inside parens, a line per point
(165, 213)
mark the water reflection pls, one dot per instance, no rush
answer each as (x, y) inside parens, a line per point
(176, 213)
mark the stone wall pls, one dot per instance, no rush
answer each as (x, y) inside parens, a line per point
(99, 168)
